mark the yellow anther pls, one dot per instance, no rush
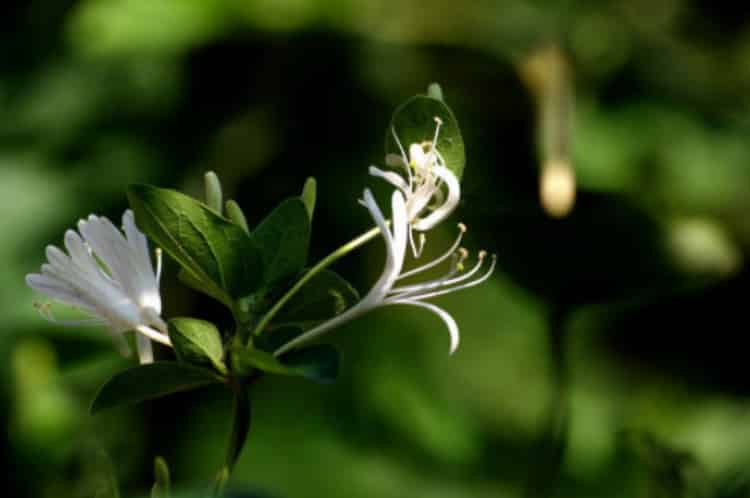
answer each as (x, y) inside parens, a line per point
(483, 254)
(438, 121)
(462, 227)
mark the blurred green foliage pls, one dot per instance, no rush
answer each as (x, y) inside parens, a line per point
(606, 358)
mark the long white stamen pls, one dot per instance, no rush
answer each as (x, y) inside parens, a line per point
(154, 335)
(158, 252)
(440, 259)
(433, 146)
(404, 157)
(456, 266)
(444, 281)
(417, 251)
(466, 285)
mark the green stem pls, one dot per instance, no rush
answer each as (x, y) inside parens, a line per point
(240, 429)
(322, 264)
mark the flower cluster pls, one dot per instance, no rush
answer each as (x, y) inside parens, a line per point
(108, 273)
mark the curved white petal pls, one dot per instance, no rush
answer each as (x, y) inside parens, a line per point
(58, 290)
(417, 156)
(395, 243)
(395, 160)
(450, 203)
(391, 177)
(447, 319)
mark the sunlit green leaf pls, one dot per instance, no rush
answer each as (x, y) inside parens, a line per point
(235, 214)
(283, 238)
(151, 381)
(414, 122)
(214, 196)
(322, 297)
(197, 341)
(309, 195)
(435, 91)
(163, 483)
(217, 253)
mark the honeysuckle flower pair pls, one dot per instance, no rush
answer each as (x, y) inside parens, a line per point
(110, 276)
(386, 293)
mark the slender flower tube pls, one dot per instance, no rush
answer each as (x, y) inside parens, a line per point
(109, 276)
(386, 293)
(426, 173)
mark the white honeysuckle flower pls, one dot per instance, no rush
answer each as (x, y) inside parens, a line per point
(386, 293)
(427, 203)
(109, 276)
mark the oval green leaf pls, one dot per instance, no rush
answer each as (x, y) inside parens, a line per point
(283, 238)
(151, 381)
(309, 196)
(216, 252)
(414, 122)
(197, 341)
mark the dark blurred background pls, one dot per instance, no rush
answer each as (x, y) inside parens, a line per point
(607, 356)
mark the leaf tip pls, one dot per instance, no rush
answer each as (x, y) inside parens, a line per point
(435, 91)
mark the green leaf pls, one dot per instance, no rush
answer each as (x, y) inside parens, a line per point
(246, 359)
(309, 195)
(214, 196)
(162, 485)
(324, 296)
(235, 214)
(197, 341)
(151, 381)
(198, 285)
(319, 363)
(434, 91)
(283, 238)
(414, 122)
(276, 337)
(217, 253)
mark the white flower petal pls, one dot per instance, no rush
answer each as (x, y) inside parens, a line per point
(57, 290)
(450, 203)
(417, 156)
(125, 298)
(391, 177)
(447, 319)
